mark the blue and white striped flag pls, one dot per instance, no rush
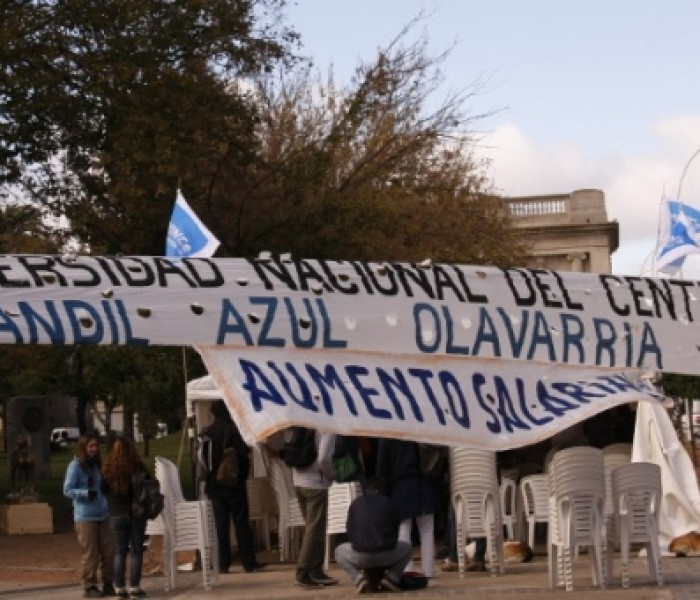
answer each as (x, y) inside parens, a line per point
(679, 236)
(187, 235)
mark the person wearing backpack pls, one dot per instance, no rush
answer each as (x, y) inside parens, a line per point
(311, 483)
(122, 469)
(229, 497)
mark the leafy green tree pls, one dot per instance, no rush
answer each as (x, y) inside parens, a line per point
(106, 107)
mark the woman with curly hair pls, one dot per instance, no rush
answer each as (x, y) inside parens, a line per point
(83, 484)
(122, 469)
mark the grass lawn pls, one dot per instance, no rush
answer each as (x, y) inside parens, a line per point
(52, 488)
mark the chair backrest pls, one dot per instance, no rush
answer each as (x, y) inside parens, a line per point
(169, 478)
(636, 489)
(469, 466)
(611, 461)
(575, 468)
(508, 490)
(475, 489)
(169, 487)
(618, 448)
(283, 487)
(340, 496)
(577, 488)
(535, 495)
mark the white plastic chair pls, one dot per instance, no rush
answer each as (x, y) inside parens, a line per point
(614, 455)
(618, 448)
(577, 503)
(509, 509)
(290, 517)
(477, 505)
(340, 496)
(187, 525)
(534, 490)
(636, 490)
(262, 506)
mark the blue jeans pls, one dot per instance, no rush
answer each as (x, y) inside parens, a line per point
(129, 535)
(394, 560)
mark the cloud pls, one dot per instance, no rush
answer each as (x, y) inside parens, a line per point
(634, 184)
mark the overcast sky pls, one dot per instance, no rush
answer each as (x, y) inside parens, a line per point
(594, 93)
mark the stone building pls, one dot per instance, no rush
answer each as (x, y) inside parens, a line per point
(566, 232)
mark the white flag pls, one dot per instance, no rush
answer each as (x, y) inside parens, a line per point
(678, 237)
(187, 235)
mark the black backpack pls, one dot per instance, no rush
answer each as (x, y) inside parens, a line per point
(227, 471)
(299, 448)
(147, 500)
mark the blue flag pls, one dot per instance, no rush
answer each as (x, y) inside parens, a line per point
(187, 235)
(678, 237)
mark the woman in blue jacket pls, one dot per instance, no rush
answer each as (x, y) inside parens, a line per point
(83, 484)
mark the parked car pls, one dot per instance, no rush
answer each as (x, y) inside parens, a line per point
(685, 420)
(62, 436)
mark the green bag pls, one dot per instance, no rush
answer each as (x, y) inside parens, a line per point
(344, 468)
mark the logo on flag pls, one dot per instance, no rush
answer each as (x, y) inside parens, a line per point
(679, 237)
(187, 235)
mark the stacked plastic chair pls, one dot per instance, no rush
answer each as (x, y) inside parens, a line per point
(534, 490)
(636, 490)
(476, 500)
(188, 525)
(340, 496)
(614, 455)
(577, 517)
(509, 507)
(290, 517)
(262, 506)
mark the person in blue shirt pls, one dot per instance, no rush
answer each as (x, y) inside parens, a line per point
(83, 484)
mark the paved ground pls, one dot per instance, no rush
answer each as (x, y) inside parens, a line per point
(682, 582)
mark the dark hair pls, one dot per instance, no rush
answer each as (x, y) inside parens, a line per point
(219, 409)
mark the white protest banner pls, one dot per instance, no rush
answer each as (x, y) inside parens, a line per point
(579, 319)
(451, 401)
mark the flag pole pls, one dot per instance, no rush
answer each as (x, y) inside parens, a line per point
(685, 170)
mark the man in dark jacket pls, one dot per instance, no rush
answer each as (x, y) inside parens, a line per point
(373, 530)
(230, 501)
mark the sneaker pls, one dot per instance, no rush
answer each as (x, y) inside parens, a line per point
(136, 593)
(476, 566)
(388, 585)
(307, 583)
(322, 578)
(362, 586)
(449, 566)
(108, 589)
(121, 592)
(92, 592)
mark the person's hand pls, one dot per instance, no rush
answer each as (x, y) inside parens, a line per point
(91, 495)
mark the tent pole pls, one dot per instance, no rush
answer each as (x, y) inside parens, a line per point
(185, 423)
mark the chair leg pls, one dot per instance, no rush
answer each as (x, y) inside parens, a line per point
(625, 558)
(568, 569)
(553, 562)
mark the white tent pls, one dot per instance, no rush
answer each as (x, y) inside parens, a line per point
(656, 441)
